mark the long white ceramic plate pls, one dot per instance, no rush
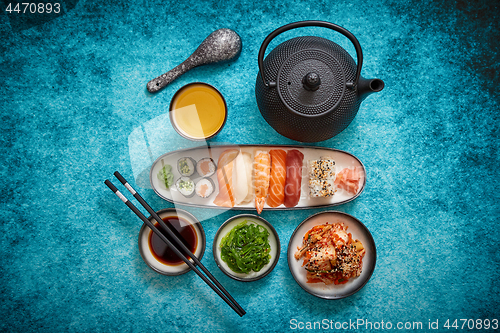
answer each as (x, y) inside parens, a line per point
(342, 160)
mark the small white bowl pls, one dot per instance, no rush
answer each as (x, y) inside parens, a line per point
(274, 242)
(152, 262)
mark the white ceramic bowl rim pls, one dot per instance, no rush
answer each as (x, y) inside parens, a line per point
(343, 290)
(160, 267)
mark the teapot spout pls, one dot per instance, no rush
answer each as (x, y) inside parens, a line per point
(368, 86)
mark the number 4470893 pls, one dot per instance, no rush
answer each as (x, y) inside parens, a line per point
(33, 8)
(472, 324)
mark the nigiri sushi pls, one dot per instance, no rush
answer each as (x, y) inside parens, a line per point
(278, 177)
(247, 157)
(262, 170)
(242, 178)
(293, 181)
(225, 197)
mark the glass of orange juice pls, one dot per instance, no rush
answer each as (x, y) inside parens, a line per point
(198, 111)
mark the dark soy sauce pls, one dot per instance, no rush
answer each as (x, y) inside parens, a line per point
(183, 230)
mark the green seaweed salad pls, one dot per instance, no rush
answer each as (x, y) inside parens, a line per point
(246, 248)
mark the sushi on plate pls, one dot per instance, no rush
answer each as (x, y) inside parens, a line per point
(185, 186)
(322, 178)
(206, 167)
(205, 187)
(186, 166)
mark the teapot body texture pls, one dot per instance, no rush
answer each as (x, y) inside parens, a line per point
(309, 88)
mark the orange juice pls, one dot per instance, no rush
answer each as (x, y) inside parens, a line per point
(198, 111)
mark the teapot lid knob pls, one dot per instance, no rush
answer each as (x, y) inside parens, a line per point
(311, 81)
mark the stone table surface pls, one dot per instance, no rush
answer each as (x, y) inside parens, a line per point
(74, 106)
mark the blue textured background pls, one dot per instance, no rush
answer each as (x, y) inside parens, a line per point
(73, 90)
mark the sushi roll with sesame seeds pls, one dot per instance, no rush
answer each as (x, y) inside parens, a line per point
(322, 178)
(321, 188)
(323, 168)
(206, 167)
(205, 187)
(186, 166)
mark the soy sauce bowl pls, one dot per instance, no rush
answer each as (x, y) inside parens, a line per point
(274, 242)
(145, 248)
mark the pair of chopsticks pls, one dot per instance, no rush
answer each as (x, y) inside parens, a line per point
(179, 248)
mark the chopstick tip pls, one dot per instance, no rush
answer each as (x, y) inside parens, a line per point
(110, 185)
(120, 177)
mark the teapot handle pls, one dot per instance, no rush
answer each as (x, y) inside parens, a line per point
(301, 24)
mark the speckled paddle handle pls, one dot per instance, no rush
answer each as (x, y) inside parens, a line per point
(163, 80)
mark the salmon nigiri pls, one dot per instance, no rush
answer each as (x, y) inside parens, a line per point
(225, 197)
(262, 170)
(278, 177)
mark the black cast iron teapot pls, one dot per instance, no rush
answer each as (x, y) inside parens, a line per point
(309, 88)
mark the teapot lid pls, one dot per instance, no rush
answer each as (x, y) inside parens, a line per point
(310, 82)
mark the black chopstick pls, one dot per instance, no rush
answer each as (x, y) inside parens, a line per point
(176, 239)
(222, 292)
